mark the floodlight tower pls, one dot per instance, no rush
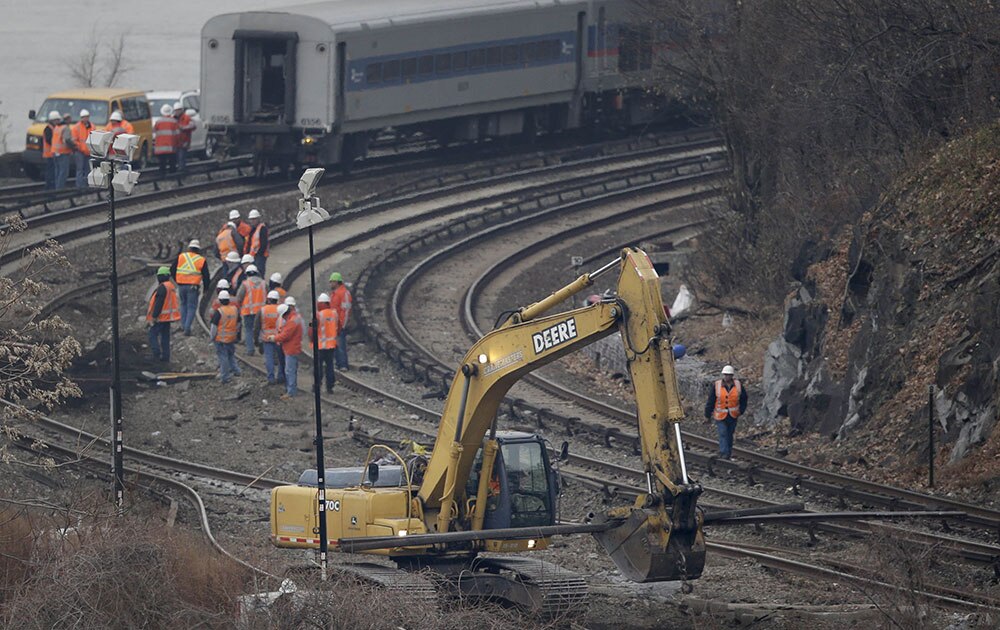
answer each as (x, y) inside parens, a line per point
(111, 168)
(310, 213)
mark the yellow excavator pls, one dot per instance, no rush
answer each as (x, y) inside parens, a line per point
(484, 493)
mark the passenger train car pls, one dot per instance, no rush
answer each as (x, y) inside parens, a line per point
(314, 84)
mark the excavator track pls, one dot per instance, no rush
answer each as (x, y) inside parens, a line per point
(414, 587)
(543, 588)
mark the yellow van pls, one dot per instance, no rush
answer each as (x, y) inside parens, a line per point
(100, 102)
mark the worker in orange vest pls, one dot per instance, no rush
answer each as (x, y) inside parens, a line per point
(81, 131)
(250, 297)
(326, 337)
(341, 300)
(290, 338)
(265, 329)
(189, 270)
(223, 285)
(166, 138)
(187, 126)
(50, 164)
(163, 308)
(118, 125)
(229, 240)
(726, 403)
(260, 246)
(225, 331)
(243, 228)
(63, 148)
(274, 284)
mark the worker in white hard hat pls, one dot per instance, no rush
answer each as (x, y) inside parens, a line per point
(274, 284)
(53, 120)
(81, 131)
(289, 337)
(186, 125)
(63, 149)
(250, 297)
(189, 270)
(166, 140)
(118, 124)
(727, 401)
(243, 228)
(325, 327)
(225, 332)
(265, 330)
(222, 285)
(259, 246)
(229, 239)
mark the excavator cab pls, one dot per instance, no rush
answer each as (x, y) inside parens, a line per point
(522, 489)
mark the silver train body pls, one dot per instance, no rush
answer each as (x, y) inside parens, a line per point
(315, 84)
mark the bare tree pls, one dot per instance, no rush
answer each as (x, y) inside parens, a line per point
(101, 61)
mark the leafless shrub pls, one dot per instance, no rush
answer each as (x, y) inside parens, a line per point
(100, 62)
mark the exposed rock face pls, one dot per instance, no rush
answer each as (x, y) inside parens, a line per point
(910, 300)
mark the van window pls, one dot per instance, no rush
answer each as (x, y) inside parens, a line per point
(192, 102)
(98, 109)
(135, 109)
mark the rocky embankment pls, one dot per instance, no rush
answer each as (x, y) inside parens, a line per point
(907, 299)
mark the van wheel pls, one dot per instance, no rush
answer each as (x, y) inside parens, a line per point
(32, 171)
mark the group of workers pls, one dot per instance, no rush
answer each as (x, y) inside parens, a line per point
(65, 142)
(248, 308)
(172, 137)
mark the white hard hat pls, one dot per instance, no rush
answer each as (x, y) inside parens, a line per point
(273, 295)
(223, 284)
(232, 257)
(251, 268)
(234, 214)
(276, 277)
(190, 112)
(223, 295)
(282, 309)
(290, 301)
(54, 115)
(178, 105)
(116, 115)
(728, 370)
(323, 297)
(195, 243)
(247, 258)
(254, 214)
(166, 110)
(84, 112)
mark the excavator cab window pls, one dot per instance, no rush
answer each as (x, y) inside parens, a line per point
(522, 490)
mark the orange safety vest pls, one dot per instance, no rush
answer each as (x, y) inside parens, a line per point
(244, 229)
(46, 145)
(171, 311)
(282, 294)
(255, 242)
(185, 128)
(229, 320)
(189, 265)
(225, 242)
(269, 320)
(166, 136)
(116, 129)
(341, 301)
(80, 134)
(326, 332)
(255, 295)
(727, 403)
(59, 147)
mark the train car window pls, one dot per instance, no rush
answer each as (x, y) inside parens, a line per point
(510, 55)
(442, 63)
(460, 61)
(373, 73)
(409, 67)
(494, 56)
(553, 49)
(425, 65)
(390, 70)
(528, 52)
(477, 58)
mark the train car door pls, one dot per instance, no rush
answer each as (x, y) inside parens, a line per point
(264, 90)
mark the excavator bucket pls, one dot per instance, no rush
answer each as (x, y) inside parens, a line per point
(638, 549)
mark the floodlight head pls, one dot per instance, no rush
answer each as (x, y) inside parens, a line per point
(310, 213)
(98, 143)
(309, 180)
(125, 180)
(125, 146)
(98, 177)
